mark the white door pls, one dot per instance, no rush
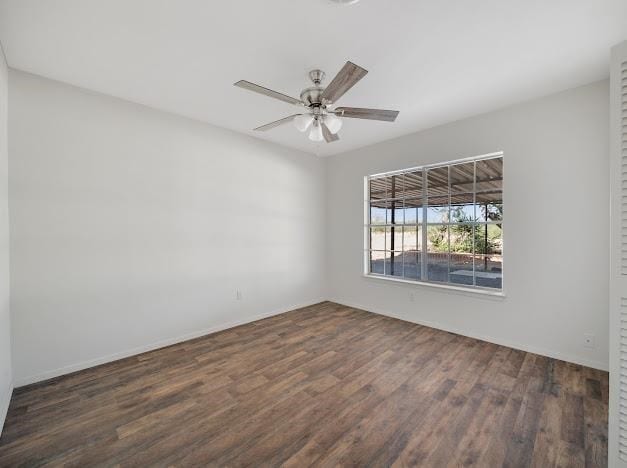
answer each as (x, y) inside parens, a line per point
(617, 456)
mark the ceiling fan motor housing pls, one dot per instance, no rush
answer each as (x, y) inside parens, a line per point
(313, 96)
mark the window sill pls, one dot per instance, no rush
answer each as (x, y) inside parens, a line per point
(443, 287)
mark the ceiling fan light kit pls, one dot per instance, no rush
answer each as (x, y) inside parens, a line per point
(333, 122)
(316, 131)
(302, 122)
(316, 100)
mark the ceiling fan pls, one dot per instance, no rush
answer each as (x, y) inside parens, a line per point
(325, 122)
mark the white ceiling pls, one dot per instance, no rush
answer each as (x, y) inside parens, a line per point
(435, 61)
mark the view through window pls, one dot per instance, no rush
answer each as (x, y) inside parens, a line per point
(441, 223)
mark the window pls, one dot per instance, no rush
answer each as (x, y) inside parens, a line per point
(438, 224)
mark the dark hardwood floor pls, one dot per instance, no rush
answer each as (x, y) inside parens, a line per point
(325, 385)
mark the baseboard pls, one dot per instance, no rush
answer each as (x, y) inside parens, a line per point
(4, 406)
(20, 382)
(510, 344)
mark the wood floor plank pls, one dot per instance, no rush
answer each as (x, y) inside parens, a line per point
(322, 385)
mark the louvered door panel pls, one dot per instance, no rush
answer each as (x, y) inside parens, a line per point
(623, 167)
(617, 456)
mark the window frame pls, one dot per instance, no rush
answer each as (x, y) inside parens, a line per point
(423, 225)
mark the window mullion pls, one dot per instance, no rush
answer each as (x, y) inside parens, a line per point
(423, 256)
(448, 230)
(474, 225)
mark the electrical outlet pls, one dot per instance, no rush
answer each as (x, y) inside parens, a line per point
(238, 295)
(588, 340)
(412, 297)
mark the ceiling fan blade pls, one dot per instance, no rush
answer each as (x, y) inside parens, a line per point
(348, 76)
(267, 92)
(328, 136)
(276, 123)
(370, 114)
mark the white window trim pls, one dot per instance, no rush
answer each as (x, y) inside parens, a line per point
(451, 287)
(445, 287)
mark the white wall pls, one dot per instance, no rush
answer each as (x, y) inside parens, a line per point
(131, 227)
(556, 196)
(5, 321)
